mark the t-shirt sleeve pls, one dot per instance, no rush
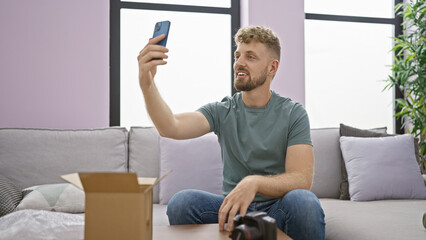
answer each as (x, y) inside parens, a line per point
(213, 112)
(210, 112)
(299, 129)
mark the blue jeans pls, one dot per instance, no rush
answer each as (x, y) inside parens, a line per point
(299, 213)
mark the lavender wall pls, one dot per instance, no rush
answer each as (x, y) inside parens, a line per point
(54, 59)
(286, 18)
(54, 63)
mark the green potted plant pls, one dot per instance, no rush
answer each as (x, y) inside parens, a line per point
(409, 71)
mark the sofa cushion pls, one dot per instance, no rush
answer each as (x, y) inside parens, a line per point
(159, 215)
(383, 219)
(61, 197)
(10, 196)
(355, 132)
(196, 164)
(382, 168)
(327, 174)
(31, 157)
(144, 154)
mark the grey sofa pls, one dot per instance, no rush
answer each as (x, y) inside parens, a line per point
(31, 157)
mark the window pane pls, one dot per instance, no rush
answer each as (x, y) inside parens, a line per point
(205, 3)
(345, 69)
(199, 64)
(361, 8)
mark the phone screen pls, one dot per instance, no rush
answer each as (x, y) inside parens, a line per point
(162, 28)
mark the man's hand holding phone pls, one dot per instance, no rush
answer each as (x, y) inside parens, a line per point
(147, 64)
(153, 54)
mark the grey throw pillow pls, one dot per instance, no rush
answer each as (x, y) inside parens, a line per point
(382, 168)
(348, 131)
(10, 196)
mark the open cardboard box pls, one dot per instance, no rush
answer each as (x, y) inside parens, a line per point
(118, 205)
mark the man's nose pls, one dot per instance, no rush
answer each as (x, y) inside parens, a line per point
(239, 62)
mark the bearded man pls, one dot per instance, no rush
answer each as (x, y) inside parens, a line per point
(265, 142)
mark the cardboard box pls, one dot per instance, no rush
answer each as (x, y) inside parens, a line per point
(118, 205)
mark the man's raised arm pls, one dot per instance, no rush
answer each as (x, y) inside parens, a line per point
(177, 126)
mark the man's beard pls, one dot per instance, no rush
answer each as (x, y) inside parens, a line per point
(251, 83)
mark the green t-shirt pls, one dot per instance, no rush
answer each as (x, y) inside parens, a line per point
(254, 141)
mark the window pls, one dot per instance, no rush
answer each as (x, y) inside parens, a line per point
(199, 68)
(347, 49)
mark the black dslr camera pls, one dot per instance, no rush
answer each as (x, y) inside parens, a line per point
(253, 226)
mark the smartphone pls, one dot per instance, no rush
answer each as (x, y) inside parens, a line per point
(162, 28)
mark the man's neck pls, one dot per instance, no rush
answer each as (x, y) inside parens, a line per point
(258, 97)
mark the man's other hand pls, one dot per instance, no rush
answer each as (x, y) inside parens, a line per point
(237, 201)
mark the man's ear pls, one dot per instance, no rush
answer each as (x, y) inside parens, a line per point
(273, 67)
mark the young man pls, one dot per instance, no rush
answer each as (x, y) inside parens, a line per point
(265, 142)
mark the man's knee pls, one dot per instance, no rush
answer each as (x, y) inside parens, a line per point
(179, 202)
(193, 207)
(303, 197)
(305, 217)
(303, 202)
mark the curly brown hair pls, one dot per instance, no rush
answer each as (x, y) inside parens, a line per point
(261, 34)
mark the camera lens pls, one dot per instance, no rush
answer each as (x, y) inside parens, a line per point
(244, 232)
(158, 26)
